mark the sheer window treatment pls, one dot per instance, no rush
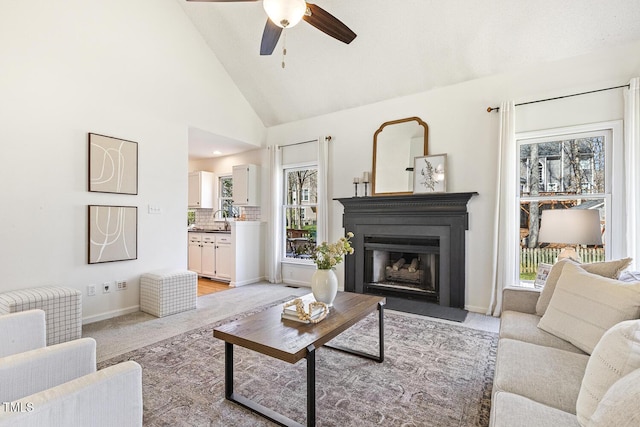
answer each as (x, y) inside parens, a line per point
(274, 243)
(276, 229)
(505, 241)
(632, 169)
(323, 187)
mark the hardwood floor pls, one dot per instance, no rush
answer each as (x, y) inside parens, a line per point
(208, 286)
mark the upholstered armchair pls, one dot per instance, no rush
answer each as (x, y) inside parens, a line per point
(59, 385)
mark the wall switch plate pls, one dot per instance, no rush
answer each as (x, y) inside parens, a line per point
(155, 210)
(121, 285)
(91, 290)
(106, 287)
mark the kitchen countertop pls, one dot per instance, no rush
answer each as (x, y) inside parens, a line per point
(210, 231)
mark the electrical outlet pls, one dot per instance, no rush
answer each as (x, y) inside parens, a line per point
(91, 290)
(122, 285)
(106, 287)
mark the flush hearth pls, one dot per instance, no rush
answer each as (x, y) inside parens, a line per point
(410, 249)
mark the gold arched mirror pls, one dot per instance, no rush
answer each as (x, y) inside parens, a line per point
(395, 145)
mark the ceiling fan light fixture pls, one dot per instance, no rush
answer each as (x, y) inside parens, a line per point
(285, 13)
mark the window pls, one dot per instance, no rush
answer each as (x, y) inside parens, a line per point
(572, 172)
(300, 211)
(225, 190)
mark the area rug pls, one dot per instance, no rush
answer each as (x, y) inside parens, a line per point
(434, 374)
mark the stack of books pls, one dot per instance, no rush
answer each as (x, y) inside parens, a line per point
(290, 312)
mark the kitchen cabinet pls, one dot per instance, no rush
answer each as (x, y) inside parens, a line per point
(246, 185)
(204, 258)
(208, 266)
(224, 257)
(202, 190)
(195, 252)
(235, 257)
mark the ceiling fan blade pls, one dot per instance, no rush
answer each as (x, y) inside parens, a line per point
(270, 38)
(328, 24)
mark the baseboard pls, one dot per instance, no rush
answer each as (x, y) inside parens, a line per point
(110, 314)
(476, 309)
(297, 283)
(247, 282)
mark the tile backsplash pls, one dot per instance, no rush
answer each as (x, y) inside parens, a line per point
(204, 217)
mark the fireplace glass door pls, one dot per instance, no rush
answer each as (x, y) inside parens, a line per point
(405, 267)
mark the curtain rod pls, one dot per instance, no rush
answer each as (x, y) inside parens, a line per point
(327, 138)
(490, 109)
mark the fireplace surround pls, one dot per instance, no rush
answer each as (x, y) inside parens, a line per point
(410, 249)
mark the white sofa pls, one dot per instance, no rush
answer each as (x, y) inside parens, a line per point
(548, 379)
(59, 385)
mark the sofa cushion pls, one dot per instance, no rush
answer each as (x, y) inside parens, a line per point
(611, 269)
(544, 374)
(524, 327)
(509, 410)
(619, 407)
(585, 305)
(616, 355)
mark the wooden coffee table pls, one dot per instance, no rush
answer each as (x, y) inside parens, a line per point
(266, 333)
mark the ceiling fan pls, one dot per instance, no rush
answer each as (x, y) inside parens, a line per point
(287, 13)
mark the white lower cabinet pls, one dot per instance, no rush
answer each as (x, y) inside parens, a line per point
(209, 257)
(234, 257)
(195, 252)
(203, 256)
(224, 257)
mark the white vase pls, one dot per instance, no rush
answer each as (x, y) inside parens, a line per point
(324, 285)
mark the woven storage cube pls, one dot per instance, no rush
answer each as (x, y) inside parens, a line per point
(166, 292)
(62, 307)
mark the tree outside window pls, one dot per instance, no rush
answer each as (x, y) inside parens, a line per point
(563, 173)
(225, 191)
(300, 211)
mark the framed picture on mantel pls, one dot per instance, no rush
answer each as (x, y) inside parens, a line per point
(430, 174)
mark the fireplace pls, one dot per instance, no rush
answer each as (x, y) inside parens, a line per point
(410, 249)
(402, 266)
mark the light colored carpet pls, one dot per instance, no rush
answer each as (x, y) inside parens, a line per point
(129, 332)
(435, 373)
(132, 331)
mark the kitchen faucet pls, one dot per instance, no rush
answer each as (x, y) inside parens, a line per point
(224, 216)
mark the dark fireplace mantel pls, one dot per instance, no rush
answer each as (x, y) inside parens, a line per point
(441, 216)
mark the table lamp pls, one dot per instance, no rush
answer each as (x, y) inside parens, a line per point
(571, 227)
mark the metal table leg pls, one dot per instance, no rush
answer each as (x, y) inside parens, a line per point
(262, 410)
(378, 358)
(311, 386)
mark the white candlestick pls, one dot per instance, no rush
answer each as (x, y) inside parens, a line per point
(365, 177)
(356, 180)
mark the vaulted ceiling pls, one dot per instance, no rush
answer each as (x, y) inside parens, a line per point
(402, 47)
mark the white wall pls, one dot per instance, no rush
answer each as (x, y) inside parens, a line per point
(139, 71)
(136, 70)
(460, 126)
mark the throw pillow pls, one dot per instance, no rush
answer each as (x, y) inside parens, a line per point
(584, 306)
(629, 276)
(616, 355)
(606, 269)
(619, 406)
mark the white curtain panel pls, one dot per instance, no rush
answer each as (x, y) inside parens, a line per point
(632, 170)
(505, 241)
(323, 187)
(274, 246)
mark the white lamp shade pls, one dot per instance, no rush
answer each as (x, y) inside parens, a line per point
(285, 13)
(570, 226)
